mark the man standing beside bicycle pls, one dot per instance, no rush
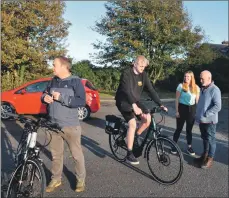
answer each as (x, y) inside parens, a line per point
(132, 82)
(63, 95)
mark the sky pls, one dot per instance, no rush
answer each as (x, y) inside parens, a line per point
(212, 16)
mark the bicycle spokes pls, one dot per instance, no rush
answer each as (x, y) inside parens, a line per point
(26, 183)
(165, 167)
(121, 142)
(164, 159)
(118, 146)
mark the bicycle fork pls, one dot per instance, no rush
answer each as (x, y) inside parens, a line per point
(21, 176)
(160, 147)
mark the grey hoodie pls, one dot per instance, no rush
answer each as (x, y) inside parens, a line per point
(65, 112)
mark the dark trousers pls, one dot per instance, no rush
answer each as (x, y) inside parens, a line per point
(208, 136)
(187, 114)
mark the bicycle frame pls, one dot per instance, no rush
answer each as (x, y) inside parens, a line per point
(161, 144)
(152, 133)
(30, 151)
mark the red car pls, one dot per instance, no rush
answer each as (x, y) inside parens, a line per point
(26, 99)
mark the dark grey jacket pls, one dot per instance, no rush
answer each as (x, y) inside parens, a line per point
(64, 112)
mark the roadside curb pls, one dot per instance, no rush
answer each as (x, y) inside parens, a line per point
(113, 100)
(164, 100)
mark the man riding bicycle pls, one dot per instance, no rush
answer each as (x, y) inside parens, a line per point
(132, 82)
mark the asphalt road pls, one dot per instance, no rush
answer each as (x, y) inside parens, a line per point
(108, 178)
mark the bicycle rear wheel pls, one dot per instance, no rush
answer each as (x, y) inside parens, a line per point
(33, 181)
(165, 167)
(118, 146)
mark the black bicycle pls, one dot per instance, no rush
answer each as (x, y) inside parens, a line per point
(3, 185)
(165, 167)
(28, 179)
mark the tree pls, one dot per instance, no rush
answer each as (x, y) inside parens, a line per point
(160, 30)
(83, 69)
(32, 33)
(104, 78)
(107, 78)
(203, 57)
(209, 58)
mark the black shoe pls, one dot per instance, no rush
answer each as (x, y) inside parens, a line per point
(131, 159)
(174, 151)
(190, 151)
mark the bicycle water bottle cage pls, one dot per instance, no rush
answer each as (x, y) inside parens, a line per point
(113, 124)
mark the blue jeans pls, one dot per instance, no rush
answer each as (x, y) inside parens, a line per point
(208, 136)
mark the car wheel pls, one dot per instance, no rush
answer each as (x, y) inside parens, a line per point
(6, 108)
(83, 113)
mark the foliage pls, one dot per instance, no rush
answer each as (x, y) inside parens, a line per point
(32, 33)
(160, 30)
(203, 57)
(104, 78)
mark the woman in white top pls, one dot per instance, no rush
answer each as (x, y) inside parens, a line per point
(187, 96)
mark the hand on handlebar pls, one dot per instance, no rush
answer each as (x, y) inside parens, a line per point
(144, 116)
(164, 108)
(137, 110)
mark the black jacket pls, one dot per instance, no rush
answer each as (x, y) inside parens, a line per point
(131, 86)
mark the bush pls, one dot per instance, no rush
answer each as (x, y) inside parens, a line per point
(10, 80)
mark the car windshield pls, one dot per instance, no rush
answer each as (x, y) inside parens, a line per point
(89, 85)
(35, 87)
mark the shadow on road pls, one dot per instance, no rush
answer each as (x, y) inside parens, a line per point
(93, 146)
(221, 146)
(15, 130)
(7, 156)
(96, 122)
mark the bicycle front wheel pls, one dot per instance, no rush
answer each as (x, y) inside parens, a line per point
(33, 180)
(165, 167)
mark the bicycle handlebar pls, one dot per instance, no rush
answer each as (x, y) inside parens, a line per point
(154, 110)
(157, 110)
(42, 122)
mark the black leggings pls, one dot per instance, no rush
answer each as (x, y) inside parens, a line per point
(187, 114)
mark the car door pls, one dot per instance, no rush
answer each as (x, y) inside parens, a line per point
(28, 99)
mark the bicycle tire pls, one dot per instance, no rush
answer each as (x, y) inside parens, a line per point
(115, 144)
(164, 159)
(13, 181)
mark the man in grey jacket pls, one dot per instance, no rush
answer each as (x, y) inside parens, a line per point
(63, 95)
(208, 106)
